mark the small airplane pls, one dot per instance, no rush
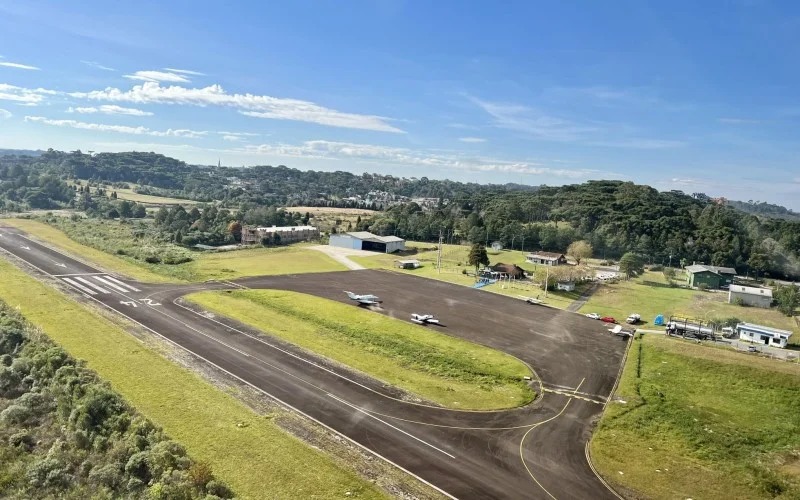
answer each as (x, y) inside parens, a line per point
(531, 300)
(364, 300)
(424, 319)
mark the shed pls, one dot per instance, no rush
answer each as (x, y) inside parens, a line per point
(546, 258)
(763, 334)
(567, 286)
(750, 296)
(363, 240)
(713, 277)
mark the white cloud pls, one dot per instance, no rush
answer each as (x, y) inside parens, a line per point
(157, 76)
(110, 109)
(98, 65)
(231, 138)
(122, 129)
(471, 139)
(18, 66)
(401, 156)
(5, 114)
(640, 144)
(185, 71)
(532, 122)
(259, 106)
(23, 96)
(242, 134)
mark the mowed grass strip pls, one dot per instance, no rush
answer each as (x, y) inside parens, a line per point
(702, 422)
(436, 367)
(250, 452)
(57, 238)
(260, 261)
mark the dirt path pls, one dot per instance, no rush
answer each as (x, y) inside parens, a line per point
(341, 255)
(583, 298)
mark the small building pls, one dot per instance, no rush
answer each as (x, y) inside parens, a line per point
(713, 277)
(363, 240)
(750, 296)
(508, 270)
(546, 258)
(763, 334)
(567, 286)
(287, 234)
(408, 264)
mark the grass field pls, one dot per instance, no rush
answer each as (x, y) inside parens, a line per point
(248, 451)
(649, 296)
(99, 241)
(131, 195)
(454, 261)
(436, 367)
(701, 422)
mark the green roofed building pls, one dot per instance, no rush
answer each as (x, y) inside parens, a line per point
(713, 277)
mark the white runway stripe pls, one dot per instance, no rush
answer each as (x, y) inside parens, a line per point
(79, 286)
(115, 280)
(112, 285)
(89, 283)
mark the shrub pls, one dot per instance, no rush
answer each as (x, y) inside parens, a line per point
(739, 301)
(152, 259)
(702, 287)
(656, 267)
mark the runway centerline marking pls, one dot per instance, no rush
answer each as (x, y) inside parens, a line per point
(390, 425)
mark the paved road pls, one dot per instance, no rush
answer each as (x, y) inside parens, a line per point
(577, 304)
(533, 452)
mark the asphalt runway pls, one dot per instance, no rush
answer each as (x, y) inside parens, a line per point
(533, 452)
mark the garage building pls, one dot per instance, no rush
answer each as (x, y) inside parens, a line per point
(363, 240)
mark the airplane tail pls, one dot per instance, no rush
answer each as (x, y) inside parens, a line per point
(350, 294)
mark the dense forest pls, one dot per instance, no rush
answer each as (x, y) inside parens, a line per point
(614, 216)
(64, 433)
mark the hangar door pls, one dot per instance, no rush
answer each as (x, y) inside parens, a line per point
(373, 246)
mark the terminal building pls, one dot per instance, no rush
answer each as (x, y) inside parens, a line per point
(363, 240)
(763, 335)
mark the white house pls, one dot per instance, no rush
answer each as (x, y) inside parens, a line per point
(567, 286)
(763, 334)
(750, 296)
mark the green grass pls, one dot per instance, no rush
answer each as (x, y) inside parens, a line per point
(702, 422)
(102, 241)
(248, 451)
(649, 296)
(434, 366)
(131, 195)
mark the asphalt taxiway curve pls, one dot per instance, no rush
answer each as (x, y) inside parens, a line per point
(533, 452)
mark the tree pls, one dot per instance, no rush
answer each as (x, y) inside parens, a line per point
(235, 230)
(787, 298)
(631, 264)
(759, 261)
(478, 256)
(579, 250)
(276, 239)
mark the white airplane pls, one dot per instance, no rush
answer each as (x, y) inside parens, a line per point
(530, 300)
(364, 300)
(424, 319)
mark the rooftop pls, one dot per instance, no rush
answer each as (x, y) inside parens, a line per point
(751, 290)
(546, 255)
(367, 236)
(697, 268)
(282, 229)
(766, 330)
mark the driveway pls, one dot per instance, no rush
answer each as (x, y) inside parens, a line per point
(341, 255)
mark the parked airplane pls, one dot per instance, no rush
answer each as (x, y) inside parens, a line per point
(424, 319)
(531, 300)
(364, 300)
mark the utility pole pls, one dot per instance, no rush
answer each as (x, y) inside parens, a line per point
(439, 255)
(546, 280)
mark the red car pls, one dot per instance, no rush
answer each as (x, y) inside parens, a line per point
(608, 319)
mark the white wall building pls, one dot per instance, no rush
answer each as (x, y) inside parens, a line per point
(763, 334)
(363, 240)
(750, 296)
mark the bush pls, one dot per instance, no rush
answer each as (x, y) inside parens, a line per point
(152, 259)
(702, 287)
(739, 301)
(656, 267)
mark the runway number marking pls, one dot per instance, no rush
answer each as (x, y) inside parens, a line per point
(25, 248)
(150, 302)
(128, 303)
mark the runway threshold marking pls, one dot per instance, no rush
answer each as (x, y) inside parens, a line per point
(390, 425)
(79, 286)
(522, 441)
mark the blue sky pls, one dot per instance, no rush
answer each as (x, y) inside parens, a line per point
(697, 96)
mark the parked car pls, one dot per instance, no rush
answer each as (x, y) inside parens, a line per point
(593, 315)
(608, 319)
(633, 319)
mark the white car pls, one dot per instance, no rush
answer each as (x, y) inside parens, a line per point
(593, 315)
(633, 319)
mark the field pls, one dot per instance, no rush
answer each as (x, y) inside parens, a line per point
(102, 241)
(131, 195)
(701, 422)
(327, 218)
(248, 451)
(649, 295)
(454, 262)
(436, 367)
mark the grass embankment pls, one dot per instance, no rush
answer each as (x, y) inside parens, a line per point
(439, 368)
(454, 262)
(702, 422)
(250, 452)
(102, 241)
